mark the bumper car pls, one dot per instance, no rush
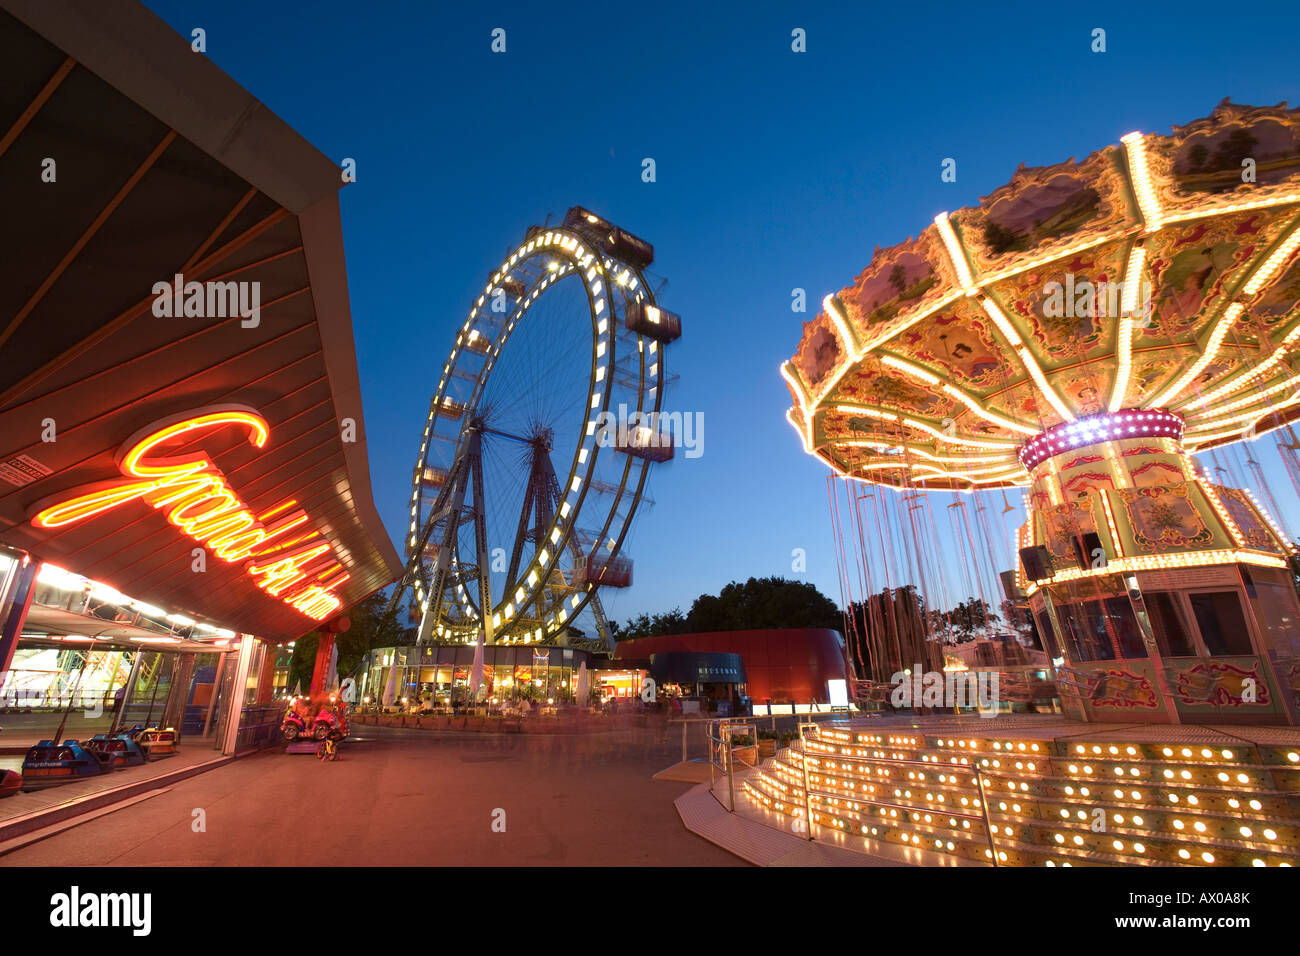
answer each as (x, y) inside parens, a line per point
(50, 763)
(11, 781)
(158, 743)
(118, 751)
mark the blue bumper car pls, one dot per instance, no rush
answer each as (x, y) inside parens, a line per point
(49, 763)
(117, 751)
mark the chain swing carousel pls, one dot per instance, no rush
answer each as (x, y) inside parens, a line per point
(1117, 340)
(1096, 334)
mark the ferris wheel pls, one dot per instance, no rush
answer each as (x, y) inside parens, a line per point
(539, 440)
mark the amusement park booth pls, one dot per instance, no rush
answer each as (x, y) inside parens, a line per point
(707, 676)
(184, 485)
(1164, 596)
(789, 666)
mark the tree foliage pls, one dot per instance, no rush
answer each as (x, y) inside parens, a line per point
(771, 602)
(650, 625)
(965, 622)
(891, 631)
(758, 604)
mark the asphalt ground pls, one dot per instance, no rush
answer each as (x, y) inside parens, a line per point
(410, 798)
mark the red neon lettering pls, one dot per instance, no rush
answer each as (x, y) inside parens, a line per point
(192, 493)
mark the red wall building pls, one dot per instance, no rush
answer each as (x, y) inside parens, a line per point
(783, 665)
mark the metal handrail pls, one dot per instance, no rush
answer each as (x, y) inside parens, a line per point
(724, 726)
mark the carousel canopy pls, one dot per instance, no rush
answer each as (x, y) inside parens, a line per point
(1152, 285)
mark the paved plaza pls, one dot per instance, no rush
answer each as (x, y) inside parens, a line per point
(410, 798)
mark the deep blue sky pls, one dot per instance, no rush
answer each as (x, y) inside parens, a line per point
(775, 170)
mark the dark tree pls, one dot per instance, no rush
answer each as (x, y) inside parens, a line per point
(1018, 619)
(898, 278)
(646, 625)
(969, 616)
(888, 633)
(998, 237)
(759, 603)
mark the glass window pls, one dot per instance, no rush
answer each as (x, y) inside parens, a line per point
(1045, 633)
(1222, 624)
(1085, 628)
(1123, 626)
(1274, 601)
(1173, 636)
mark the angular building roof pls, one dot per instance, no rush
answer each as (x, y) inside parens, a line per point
(164, 165)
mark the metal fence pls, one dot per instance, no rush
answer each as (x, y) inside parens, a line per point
(259, 725)
(726, 759)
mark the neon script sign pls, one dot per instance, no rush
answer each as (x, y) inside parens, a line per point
(284, 559)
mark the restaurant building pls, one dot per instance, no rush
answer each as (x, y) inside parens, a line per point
(436, 675)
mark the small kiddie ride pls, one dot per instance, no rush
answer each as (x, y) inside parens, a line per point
(299, 721)
(297, 725)
(50, 763)
(328, 749)
(120, 750)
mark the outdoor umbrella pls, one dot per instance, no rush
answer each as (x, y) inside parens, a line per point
(476, 670)
(390, 687)
(584, 690)
(332, 674)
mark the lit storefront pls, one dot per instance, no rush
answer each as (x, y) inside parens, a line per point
(620, 685)
(439, 675)
(184, 486)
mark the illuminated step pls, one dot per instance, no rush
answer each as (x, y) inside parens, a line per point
(1151, 803)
